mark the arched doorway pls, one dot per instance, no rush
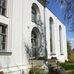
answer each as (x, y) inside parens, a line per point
(36, 42)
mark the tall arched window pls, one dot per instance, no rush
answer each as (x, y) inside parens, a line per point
(36, 42)
(51, 35)
(60, 39)
(35, 14)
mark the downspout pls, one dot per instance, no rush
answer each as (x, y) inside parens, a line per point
(45, 4)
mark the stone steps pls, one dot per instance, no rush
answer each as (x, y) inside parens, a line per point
(37, 62)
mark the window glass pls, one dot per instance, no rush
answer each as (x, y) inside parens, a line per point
(2, 37)
(2, 7)
(34, 14)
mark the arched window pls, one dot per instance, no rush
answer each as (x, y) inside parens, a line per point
(60, 39)
(51, 35)
(35, 14)
(36, 42)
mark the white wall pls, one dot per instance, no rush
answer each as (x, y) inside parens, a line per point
(56, 23)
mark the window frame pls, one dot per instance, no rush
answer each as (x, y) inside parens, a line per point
(4, 37)
(3, 7)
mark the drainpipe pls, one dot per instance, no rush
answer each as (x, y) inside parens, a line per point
(45, 4)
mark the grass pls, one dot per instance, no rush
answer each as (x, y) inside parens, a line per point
(71, 72)
(67, 66)
(39, 71)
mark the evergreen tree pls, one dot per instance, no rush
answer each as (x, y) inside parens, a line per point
(69, 49)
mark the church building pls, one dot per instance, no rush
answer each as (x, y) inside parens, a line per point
(29, 31)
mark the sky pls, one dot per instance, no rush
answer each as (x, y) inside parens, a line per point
(58, 11)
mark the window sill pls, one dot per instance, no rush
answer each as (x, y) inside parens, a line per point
(31, 58)
(52, 54)
(5, 53)
(35, 22)
(61, 54)
(36, 58)
(4, 15)
(4, 20)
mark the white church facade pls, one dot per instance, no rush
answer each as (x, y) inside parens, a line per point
(29, 31)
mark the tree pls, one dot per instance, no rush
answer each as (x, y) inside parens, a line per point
(69, 49)
(68, 7)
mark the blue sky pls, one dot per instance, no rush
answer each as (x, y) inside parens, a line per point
(58, 11)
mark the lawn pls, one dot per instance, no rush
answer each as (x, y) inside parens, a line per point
(68, 66)
(39, 71)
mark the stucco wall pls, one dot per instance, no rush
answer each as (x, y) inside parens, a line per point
(56, 24)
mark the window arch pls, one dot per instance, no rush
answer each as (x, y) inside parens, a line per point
(35, 14)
